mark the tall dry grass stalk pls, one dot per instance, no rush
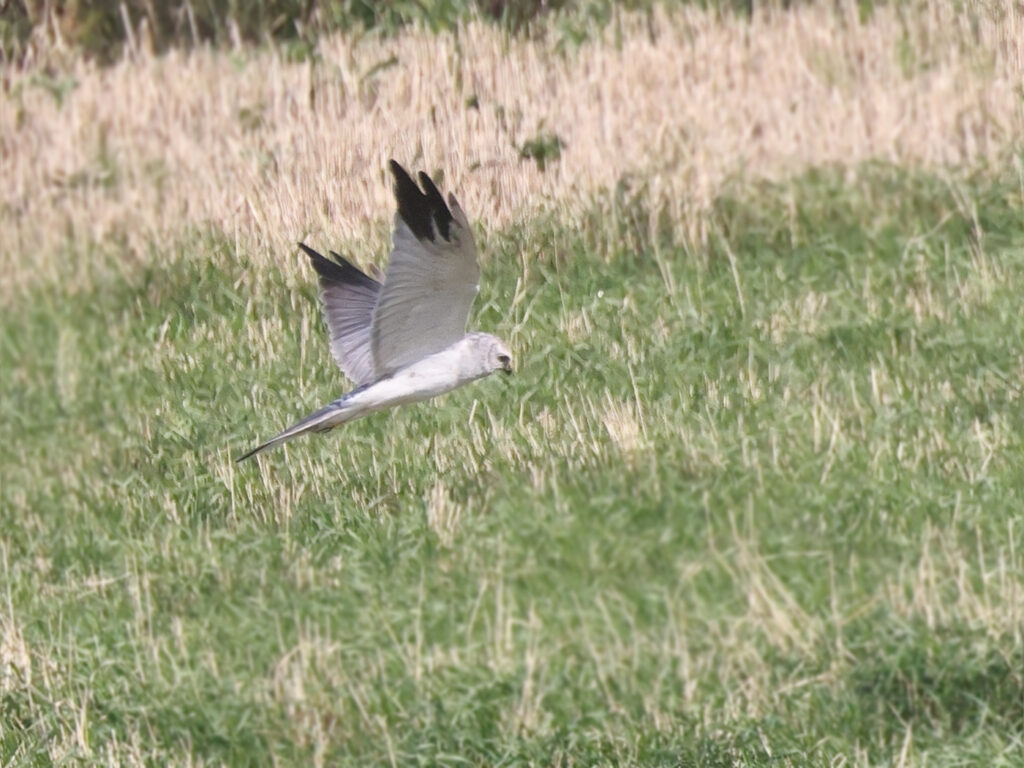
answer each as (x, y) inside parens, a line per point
(270, 151)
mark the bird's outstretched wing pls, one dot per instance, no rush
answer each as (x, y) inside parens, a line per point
(348, 298)
(431, 278)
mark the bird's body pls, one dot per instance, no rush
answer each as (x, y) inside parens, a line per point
(432, 376)
(404, 341)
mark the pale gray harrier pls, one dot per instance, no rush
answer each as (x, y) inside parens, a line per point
(404, 340)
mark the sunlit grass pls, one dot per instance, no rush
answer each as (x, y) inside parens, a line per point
(748, 501)
(266, 149)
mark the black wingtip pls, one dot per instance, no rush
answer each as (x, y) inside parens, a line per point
(340, 270)
(424, 211)
(397, 170)
(310, 252)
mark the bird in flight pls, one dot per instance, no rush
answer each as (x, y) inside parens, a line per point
(403, 340)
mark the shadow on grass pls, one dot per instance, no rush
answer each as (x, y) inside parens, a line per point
(943, 681)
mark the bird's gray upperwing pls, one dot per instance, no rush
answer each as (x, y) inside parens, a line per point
(349, 298)
(431, 278)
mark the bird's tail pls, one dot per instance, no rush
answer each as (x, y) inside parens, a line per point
(323, 420)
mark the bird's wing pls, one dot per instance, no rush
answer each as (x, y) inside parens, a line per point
(431, 280)
(348, 297)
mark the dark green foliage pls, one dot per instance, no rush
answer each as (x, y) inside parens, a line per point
(99, 28)
(542, 149)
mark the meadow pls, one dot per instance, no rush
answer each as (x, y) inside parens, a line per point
(753, 497)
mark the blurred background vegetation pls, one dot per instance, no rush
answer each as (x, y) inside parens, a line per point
(103, 28)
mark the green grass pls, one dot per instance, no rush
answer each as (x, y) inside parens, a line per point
(796, 540)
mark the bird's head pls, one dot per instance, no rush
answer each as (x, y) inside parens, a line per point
(493, 352)
(502, 358)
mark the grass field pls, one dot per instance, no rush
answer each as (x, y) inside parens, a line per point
(754, 497)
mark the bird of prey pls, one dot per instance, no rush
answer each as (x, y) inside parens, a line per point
(405, 339)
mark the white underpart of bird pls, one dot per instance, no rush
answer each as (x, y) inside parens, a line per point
(403, 340)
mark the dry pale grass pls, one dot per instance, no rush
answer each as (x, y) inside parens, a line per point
(269, 151)
(443, 513)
